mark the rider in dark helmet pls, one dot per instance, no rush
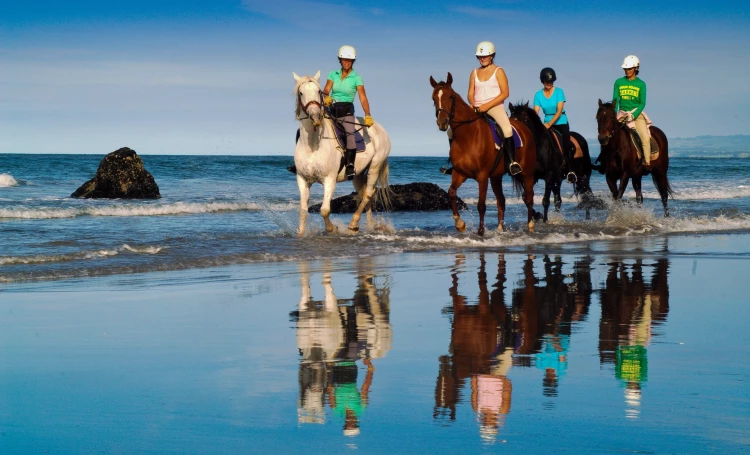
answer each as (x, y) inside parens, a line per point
(551, 100)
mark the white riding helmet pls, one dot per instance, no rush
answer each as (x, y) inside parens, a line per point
(631, 61)
(347, 52)
(485, 48)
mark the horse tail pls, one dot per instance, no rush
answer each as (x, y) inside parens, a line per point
(383, 192)
(667, 185)
(518, 184)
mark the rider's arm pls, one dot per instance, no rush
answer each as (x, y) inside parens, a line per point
(471, 89)
(328, 87)
(363, 99)
(557, 115)
(642, 102)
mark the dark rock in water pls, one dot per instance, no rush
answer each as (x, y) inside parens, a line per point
(412, 197)
(121, 175)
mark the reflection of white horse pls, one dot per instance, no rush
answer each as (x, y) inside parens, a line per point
(318, 157)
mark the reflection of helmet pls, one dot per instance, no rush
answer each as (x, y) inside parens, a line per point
(547, 75)
(347, 52)
(631, 61)
(351, 431)
(485, 48)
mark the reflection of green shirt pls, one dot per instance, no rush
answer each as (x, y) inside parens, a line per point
(629, 95)
(344, 91)
(348, 397)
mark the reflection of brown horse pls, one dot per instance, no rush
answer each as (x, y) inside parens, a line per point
(630, 308)
(620, 161)
(479, 353)
(474, 155)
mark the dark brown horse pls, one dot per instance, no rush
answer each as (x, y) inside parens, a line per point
(620, 161)
(473, 155)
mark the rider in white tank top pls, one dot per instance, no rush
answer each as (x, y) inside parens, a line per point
(487, 90)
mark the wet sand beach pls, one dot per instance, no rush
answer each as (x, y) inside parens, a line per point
(621, 346)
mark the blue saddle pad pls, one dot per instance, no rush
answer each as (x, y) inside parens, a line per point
(341, 136)
(498, 138)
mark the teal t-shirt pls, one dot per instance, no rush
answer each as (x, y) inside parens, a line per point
(629, 95)
(549, 105)
(344, 91)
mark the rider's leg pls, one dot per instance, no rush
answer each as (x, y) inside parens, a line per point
(568, 150)
(642, 128)
(351, 145)
(501, 117)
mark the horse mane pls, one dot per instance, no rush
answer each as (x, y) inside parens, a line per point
(536, 122)
(302, 80)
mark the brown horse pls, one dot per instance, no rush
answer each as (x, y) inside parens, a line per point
(620, 161)
(473, 155)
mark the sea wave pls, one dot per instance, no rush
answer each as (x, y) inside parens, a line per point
(79, 255)
(129, 209)
(7, 180)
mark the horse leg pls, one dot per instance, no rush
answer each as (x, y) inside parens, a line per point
(545, 199)
(365, 189)
(325, 209)
(624, 178)
(497, 188)
(661, 183)
(637, 188)
(457, 179)
(612, 184)
(481, 204)
(556, 192)
(304, 198)
(528, 198)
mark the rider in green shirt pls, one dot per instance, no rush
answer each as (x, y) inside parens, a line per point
(629, 98)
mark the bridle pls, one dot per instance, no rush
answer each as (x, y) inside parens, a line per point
(451, 113)
(306, 106)
(605, 140)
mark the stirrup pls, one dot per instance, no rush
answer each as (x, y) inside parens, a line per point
(571, 177)
(446, 170)
(515, 168)
(292, 168)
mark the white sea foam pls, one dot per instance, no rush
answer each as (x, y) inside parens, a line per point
(7, 180)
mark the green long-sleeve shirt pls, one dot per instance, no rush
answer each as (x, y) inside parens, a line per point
(629, 95)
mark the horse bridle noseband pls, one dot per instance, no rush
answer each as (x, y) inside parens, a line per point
(451, 112)
(313, 102)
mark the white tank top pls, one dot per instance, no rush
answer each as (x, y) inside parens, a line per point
(487, 90)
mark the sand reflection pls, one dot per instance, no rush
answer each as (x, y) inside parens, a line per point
(332, 335)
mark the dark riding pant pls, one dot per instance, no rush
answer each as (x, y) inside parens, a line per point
(343, 113)
(567, 146)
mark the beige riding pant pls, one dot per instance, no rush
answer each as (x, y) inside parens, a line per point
(642, 128)
(500, 116)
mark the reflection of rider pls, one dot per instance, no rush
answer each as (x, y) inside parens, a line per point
(488, 89)
(339, 92)
(629, 98)
(551, 100)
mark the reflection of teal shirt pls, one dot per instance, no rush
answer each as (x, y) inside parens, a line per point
(344, 91)
(348, 397)
(549, 105)
(554, 354)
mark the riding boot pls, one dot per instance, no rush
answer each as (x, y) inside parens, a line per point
(292, 168)
(447, 170)
(349, 157)
(510, 152)
(571, 176)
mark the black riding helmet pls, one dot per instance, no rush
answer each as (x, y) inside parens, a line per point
(547, 75)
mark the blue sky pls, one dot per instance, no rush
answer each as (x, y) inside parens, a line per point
(215, 77)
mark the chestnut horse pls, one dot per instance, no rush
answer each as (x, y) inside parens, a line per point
(474, 155)
(620, 161)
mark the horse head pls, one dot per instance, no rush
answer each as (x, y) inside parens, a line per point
(444, 99)
(606, 120)
(521, 112)
(309, 98)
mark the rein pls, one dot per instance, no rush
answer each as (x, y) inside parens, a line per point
(451, 113)
(612, 133)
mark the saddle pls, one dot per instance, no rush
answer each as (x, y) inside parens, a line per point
(636, 139)
(558, 138)
(497, 133)
(341, 134)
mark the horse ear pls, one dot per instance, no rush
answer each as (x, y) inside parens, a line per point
(432, 82)
(510, 106)
(297, 78)
(600, 102)
(317, 76)
(449, 81)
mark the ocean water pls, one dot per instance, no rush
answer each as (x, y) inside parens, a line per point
(223, 210)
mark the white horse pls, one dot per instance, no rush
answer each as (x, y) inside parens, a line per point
(317, 157)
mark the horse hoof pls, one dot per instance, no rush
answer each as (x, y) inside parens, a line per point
(480, 232)
(531, 226)
(460, 226)
(354, 229)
